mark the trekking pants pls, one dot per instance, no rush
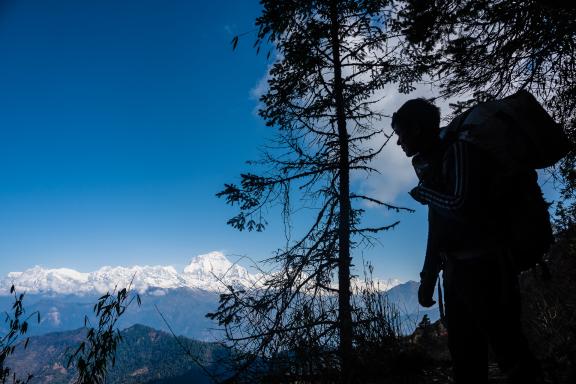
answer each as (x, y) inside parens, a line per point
(483, 310)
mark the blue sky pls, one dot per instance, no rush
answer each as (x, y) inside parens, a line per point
(120, 120)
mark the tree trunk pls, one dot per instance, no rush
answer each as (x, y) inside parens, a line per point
(344, 308)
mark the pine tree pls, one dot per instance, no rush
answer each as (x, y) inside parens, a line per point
(332, 57)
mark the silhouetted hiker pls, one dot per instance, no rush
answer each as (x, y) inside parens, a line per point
(468, 240)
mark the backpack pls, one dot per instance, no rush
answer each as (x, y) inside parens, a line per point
(516, 130)
(521, 136)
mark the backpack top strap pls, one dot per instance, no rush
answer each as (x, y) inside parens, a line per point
(451, 132)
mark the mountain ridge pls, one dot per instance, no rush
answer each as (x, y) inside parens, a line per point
(211, 272)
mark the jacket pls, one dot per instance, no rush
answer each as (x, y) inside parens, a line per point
(465, 202)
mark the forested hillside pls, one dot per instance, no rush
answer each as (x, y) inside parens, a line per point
(145, 355)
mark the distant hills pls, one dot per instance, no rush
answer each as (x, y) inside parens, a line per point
(184, 308)
(405, 298)
(145, 356)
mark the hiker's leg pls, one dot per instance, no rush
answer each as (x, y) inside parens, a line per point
(469, 351)
(466, 339)
(505, 332)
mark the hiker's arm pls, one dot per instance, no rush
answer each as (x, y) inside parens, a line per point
(458, 196)
(431, 268)
(432, 260)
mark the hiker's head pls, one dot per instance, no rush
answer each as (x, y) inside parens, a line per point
(416, 123)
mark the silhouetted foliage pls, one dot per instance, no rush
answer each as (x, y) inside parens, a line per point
(549, 310)
(331, 58)
(17, 322)
(493, 48)
(92, 356)
(424, 323)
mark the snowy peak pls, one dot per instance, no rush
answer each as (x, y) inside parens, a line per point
(214, 266)
(213, 262)
(211, 271)
(140, 278)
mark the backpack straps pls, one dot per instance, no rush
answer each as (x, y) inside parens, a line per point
(450, 133)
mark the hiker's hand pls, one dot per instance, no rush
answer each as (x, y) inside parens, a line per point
(426, 289)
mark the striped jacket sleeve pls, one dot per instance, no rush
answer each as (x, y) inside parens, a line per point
(453, 197)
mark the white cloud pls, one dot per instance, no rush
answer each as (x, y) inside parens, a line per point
(261, 86)
(396, 173)
(395, 176)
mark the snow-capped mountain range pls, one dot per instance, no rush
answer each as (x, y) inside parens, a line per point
(64, 296)
(210, 272)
